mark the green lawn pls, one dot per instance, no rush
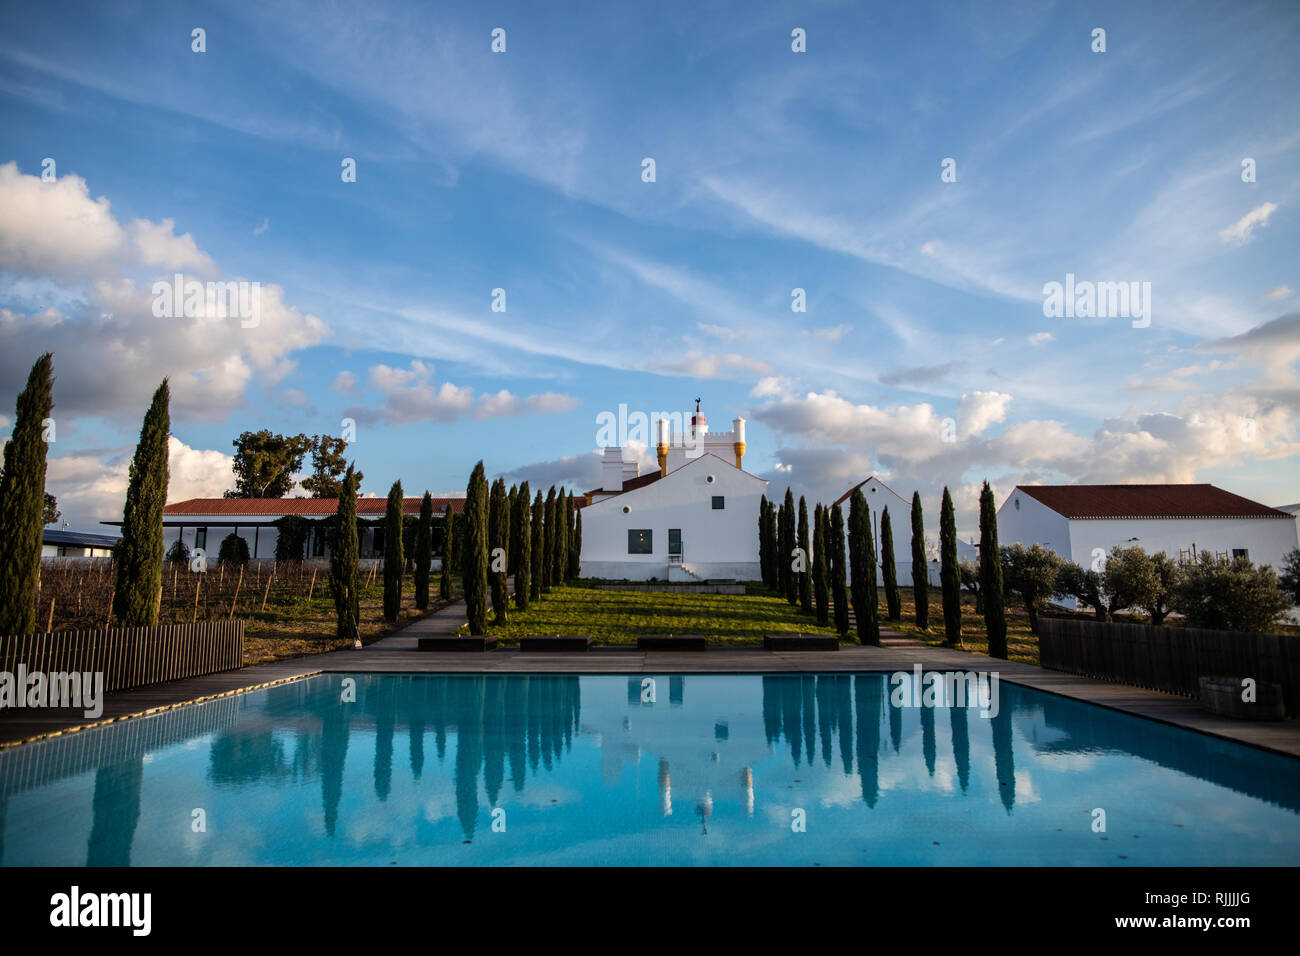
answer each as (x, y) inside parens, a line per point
(617, 617)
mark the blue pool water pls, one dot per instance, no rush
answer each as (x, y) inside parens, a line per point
(559, 769)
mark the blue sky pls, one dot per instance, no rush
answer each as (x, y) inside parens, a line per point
(775, 170)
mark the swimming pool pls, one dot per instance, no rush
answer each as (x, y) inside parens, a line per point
(667, 770)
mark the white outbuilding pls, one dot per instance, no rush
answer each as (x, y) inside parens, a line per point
(1081, 522)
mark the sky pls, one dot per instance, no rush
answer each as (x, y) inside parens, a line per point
(922, 172)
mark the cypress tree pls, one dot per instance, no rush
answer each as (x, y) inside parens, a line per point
(345, 567)
(995, 621)
(524, 567)
(474, 553)
(764, 561)
(835, 547)
(22, 503)
(137, 591)
(423, 551)
(920, 570)
(949, 572)
(512, 566)
(575, 549)
(448, 553)
(538, 553)
(773, 549)
(789, 577)
(394, 558)
(862, 562)
(559, 557)
(567, 559)
(821, 588)
(499, 540)
(893, 602)
(549, 543)
(805, 556)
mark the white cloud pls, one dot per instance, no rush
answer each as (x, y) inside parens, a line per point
(978, 410)
(1242, 231)
(1040, 338)
(1276, 294)
(410, 395)
(158, 245)
(54, 226)
(263, 226)
(344, 381)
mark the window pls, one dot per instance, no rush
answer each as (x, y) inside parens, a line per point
(640, 541)
(377, 541)
(1240, 553)
(674, 540)
(719, 502)
(318, 542)
(201, 538)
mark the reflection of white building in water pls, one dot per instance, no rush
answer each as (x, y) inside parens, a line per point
(703, 755)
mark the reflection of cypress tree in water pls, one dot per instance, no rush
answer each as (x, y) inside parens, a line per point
(116, 813)
(844, 713)
(415, 728)
(808, 685)
(517, 708)
(535, 722)
(469, 749)
(239, 756)
(440, 688)
(676, 690)
(333, 755)
(385, 720)
(961, 745)
(927, 737)
(868, 694)
(494, 741)
(4, 812)
(825, 716)
(772, 708)
(1003, 759)
(791, 715)
(895, 726)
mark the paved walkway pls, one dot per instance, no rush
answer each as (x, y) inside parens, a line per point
(397, 653)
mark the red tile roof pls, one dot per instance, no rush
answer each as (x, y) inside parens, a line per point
(1147, 501)
(631, 484)
(849, 494)
(307, 507)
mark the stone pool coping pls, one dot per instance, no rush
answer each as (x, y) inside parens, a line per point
(397, 654)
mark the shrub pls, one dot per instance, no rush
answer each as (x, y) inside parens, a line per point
(179, 553)
(1290, 576)
(291, 537)
(1230, 595)
(233, 549)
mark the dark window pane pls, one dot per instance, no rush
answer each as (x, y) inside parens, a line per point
(639, 541)
(674, 540)
(719, 502)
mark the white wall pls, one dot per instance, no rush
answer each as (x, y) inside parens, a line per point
(1266, 539)
(715, 544)
(1027, 520)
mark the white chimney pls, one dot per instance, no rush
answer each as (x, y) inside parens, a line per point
(611, 469)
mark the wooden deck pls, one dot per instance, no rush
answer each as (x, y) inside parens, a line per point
(397, 653)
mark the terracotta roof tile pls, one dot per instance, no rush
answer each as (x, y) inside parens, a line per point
(307, 507)
(1147, 501)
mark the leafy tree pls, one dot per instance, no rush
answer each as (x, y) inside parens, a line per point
(1032, 573)
(995, 619)
(1169, 577)
(1230, 595)
(970, 580)
(1134, 579)
(22, 503)
(538, 548)
(862, 567)
(345, 561)
(1289, 579)
(498, 542)
(137, 591)
(474, 558)
(328, 463)
(821, 588)
(920, 569)
(448, 554)
(789, 577)
(949, 572)
(805, 555)
(423, 551)
(233, 550)
(524, 566)
(50, 514)
(394, 553)
(291, 536)
(1085, 584)
(888, 570)
(265, 463)
(835, 547)
(179, 553)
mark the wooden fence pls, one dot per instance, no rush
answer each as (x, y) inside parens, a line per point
(1170, 659)
(131, 656)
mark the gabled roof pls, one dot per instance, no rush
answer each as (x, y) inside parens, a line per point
(1147, 501)
(306, 507)
(849, 494)
(650, 477)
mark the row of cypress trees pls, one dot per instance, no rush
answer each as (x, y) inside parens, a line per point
(539, 543)
(820, 590)
(137, 586)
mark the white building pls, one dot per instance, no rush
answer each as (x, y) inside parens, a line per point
(695, 519)
(1079, 521)
(880, 497)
